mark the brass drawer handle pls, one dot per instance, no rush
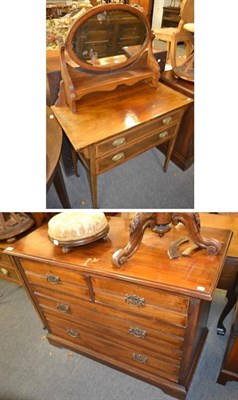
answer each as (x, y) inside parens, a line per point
(4, 271)
(163, 134)
(134, 300)
(118, 157)
(167, 120)
(139, 358)
(62, 307)
(73, 333)
(137, 332)
(118, 142)
(55, 280)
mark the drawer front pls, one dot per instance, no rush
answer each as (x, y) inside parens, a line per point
(9, 274)
(136, 134)
(116, 326)
(5, 260)
(126, 153)
(138, 299)
(76, 308)
(129, 355)
(56, 278)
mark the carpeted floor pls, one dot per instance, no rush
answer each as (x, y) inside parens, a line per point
(32, 369)
(137, 184)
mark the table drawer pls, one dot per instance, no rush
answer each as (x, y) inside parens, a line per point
(136, 134)
(56, 278)
(126, 153)
(134, 356)
(164, 307)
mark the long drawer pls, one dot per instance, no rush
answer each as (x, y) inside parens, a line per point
(126, 153)
(136, 134)
(56, 278)
(105, 321)
(74, 308)
(129, 354)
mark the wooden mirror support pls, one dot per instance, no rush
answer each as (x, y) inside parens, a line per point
(112, 45)
(161, 223)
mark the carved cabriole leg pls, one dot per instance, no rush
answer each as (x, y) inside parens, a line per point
(156, 221)
(137, 227)
(192, 222)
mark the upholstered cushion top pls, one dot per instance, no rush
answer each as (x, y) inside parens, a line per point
(69, 226)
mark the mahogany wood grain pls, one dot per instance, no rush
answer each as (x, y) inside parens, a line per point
(92, 307)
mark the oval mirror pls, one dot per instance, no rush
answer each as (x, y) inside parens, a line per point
(108, 37)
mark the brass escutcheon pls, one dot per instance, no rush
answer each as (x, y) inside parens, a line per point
(137, 332)
(55, 280)
(4, 271)
(163, 134)
(73, 333)
(118, 157)
(62, 307)
(134, 300)
(118, 142)
(139, 358)
(167, 120)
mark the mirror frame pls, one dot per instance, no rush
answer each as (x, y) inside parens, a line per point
(97, 10)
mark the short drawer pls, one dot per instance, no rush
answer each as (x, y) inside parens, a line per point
(5, 259)
(126, 153)
(9, 274)
(56, 278)
(136, 134)
(129, 355)
(154, 304)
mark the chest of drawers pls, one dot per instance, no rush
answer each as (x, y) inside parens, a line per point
(8, 271)
(147, 319)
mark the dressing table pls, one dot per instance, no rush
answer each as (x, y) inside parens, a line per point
(113, 107)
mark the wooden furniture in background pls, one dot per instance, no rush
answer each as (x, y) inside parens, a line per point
(143, 117)
(175, 35)
(171, 17)
(147, 319)
(147, 5)
(8, 270)
(54, 138)
(229, 278)
(229, 368)
(183, 153)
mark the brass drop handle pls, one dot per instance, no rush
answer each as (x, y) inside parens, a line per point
(163, 134)
(133, 300)
(62, 307)
(167, 120)
(119, 142)
(4, 271)
(139, 333)
(139, 358)
(55, 280)
(118, 157)
(73, 333)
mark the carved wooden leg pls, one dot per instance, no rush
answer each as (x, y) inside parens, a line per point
(169, 152)
(137, 227)
(192, 222)
(74, 156)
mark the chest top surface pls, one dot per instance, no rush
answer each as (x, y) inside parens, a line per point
(149, 266)
(106, 114)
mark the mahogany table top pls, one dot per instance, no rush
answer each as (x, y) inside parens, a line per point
(106, 114)
(150, 264)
